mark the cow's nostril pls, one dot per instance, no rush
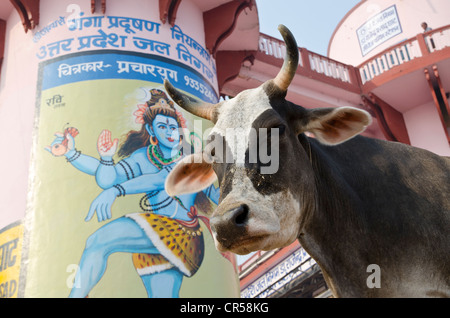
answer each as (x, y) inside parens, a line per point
(241, 215)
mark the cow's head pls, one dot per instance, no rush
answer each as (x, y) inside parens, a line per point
(260, 209)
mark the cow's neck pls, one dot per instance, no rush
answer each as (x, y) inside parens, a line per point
(330, 229)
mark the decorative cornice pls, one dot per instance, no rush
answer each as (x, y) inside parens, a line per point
(28, 11)
(168, 11)
(220, 22)
(390, 121)
(229, 64)
(2, 41)
(103, 5)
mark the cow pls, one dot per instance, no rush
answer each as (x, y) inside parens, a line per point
(355, 204)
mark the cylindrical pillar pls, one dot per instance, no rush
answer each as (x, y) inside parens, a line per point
(105, 135)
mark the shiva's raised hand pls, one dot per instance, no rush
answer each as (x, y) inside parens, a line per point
(105, 145)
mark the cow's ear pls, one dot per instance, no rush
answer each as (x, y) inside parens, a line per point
(192, 174)
(332, 126)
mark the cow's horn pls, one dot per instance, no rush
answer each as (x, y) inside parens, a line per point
(194, 106)
(287, 72)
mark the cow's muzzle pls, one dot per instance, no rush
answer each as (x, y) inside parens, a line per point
(238, 231)
(230, 226)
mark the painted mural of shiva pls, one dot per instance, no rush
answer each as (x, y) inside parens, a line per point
(165, 238)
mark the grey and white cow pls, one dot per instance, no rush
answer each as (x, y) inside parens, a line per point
(351, 201)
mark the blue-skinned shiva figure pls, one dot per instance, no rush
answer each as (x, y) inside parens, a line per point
(165, 238)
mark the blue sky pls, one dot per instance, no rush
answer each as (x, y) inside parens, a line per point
(311, 21)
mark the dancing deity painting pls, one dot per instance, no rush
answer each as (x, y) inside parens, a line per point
(164, 237)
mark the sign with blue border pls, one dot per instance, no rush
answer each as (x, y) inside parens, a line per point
(379, 29)
(105, 64)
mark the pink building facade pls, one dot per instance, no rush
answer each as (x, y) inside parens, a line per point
(401, 64)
